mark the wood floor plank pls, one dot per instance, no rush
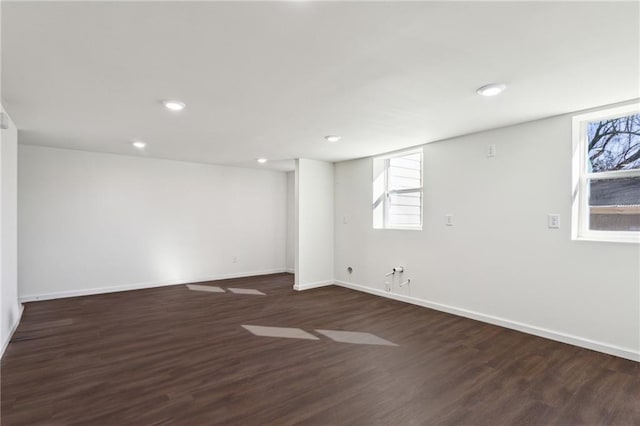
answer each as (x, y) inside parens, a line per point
(172, 356)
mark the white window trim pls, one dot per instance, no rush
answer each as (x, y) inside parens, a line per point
(386, 158)
(580, 211)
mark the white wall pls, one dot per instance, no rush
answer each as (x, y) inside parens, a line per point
(291, 222)
(10, 309)
(499, 262)
(314, 220)
(93, 222)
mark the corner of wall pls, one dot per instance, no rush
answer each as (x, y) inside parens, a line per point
(315, 222)
(10, 309)
(14, 326)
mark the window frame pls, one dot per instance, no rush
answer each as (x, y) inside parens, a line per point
(385, 196)
(580, 177)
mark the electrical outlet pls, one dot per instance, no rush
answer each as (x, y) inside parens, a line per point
(491, 150)
(448, 219)
(553, 221)
(234, 259)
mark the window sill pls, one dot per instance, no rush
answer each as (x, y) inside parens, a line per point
(399, 228)
(610, 237)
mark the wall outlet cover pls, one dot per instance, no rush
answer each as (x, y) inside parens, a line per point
(553, 221)
(448, 219)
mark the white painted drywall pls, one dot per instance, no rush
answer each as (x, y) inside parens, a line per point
(10, 309)
(291, 222)
(93, 222)
(314, 219)
(499, 262)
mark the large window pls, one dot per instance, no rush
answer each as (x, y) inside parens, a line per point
(397, 191)
(607, 175)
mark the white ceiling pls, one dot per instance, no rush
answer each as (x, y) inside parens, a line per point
(271, 79)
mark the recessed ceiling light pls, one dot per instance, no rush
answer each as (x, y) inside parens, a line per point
(262, 160)
(174, 105)
(491, 89)
(139, 144)
(333, 138)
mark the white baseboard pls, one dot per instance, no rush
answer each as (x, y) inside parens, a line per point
(308, 286)
(139, 286)
(14, 326)
(514, 325)
(622, 352)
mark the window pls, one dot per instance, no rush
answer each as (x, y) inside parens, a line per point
(397, 191)
(606, 173)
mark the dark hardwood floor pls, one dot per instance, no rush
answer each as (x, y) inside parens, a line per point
(174, 356)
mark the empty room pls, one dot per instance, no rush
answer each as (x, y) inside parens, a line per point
(320, 212)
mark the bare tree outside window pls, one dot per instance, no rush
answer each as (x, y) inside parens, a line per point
(614, 144)
(614, 201)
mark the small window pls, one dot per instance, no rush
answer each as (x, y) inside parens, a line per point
(397, 191)
(607, 175)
